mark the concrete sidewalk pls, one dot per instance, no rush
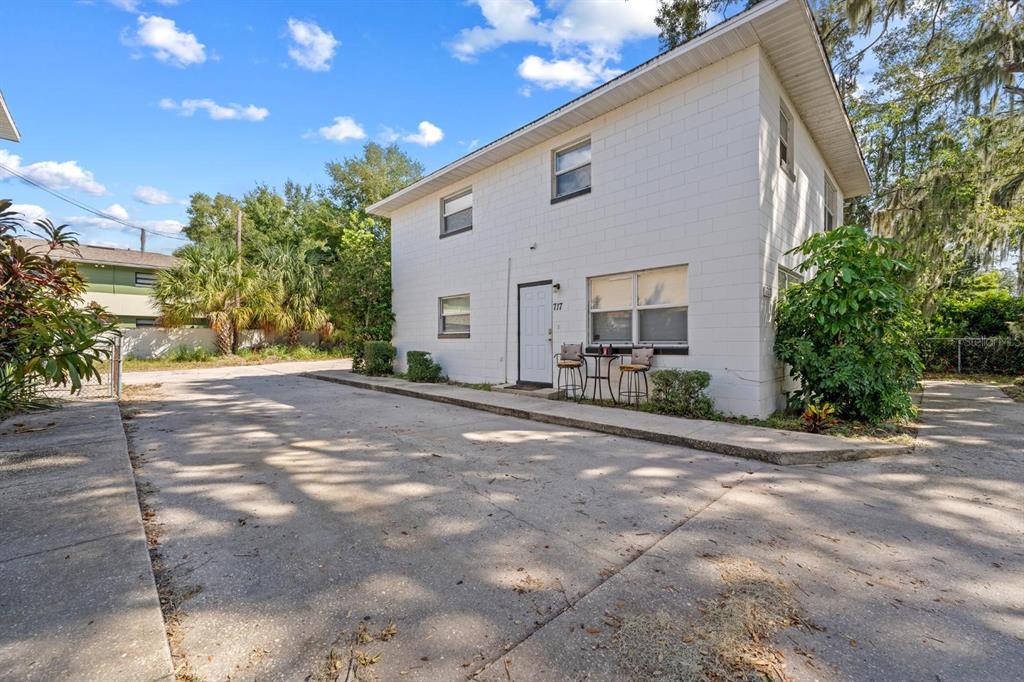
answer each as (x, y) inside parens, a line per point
(76, 587)
(752, 442)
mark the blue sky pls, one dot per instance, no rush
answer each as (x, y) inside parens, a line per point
(130, 107)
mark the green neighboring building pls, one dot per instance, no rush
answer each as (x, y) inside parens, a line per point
(120, 280)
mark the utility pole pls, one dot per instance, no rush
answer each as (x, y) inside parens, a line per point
(142, 241)
(238, 277)
(238, 243)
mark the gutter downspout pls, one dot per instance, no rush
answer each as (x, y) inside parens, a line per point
(508, 294)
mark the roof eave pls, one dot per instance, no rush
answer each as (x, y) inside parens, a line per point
(7, 121)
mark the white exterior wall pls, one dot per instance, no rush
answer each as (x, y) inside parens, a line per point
(675, 178)
(792, 209)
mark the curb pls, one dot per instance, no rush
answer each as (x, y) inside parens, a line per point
(780, 458)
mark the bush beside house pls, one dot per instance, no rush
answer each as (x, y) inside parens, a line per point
(378, 358)
(848, 332)
(681, 393)
(422, 369)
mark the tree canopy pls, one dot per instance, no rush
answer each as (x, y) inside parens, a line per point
(294, 242)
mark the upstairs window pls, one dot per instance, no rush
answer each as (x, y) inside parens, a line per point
(785, 139)
(457, 213)
(571, 171)
(145, 279)
(831, 207)
(454, 316)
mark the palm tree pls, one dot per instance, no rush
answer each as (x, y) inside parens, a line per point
(207, 283)
(298, 280)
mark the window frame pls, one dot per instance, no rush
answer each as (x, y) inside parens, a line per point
(452, 197)
(635, 309)
(788, 275)
(831, 207)
(786, 141)
(441, 333)
(555, 173)
(147, 275)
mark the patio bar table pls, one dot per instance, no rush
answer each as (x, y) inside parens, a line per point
(598, 376)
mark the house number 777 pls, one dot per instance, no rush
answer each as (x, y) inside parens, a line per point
(556, 306)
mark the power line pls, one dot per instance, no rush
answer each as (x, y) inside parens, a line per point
(86, 207)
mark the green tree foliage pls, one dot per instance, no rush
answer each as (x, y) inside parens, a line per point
(360, 292)
(847, 333)
(46, 337)
(359, 181)
(942, 130)
(679, 21)
(360, 297)
(327, 262)
(206, 284)
(982, 307)
(211, 219)
(297, 275)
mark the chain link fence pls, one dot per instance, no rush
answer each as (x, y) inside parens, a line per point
(107, 386)
(997, 355)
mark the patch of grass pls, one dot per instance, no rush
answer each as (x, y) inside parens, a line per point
(478, 387)
(889, 432)
(345, 662)
(731, 640)
(191, 358)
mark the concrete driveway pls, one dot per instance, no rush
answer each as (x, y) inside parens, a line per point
(299, 519)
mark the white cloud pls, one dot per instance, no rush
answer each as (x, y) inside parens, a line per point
(564, 73)
(429, 134)
(388, 135)
(153, 196)
(168, 43)
(343, 129)
(52, 174)
(29, 212)
(118, 211)
(584, 36)
(312, 47)
(218, 112)
(126, 5)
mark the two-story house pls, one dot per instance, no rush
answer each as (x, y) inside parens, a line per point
(655, 210)
(119, 280)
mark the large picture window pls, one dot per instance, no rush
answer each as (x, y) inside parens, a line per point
(457, 213)
(648, 307)
(454, 316)
(572, 171)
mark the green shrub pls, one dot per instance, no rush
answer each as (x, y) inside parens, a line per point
(379, 358)
(422, 368)
(187, 354)
(848, 332)
(681, 393)
(357, 349)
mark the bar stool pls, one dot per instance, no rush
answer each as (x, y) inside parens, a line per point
(571, 378)
(637, 368)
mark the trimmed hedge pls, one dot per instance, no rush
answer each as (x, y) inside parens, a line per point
(681, 393)
(378, 358)
(422, 368)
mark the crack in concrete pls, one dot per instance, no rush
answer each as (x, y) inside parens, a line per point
(570, 604)
(63, 547)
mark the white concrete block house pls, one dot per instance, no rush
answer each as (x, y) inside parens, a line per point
(653, 210)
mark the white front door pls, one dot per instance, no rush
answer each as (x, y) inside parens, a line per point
(535, 359)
